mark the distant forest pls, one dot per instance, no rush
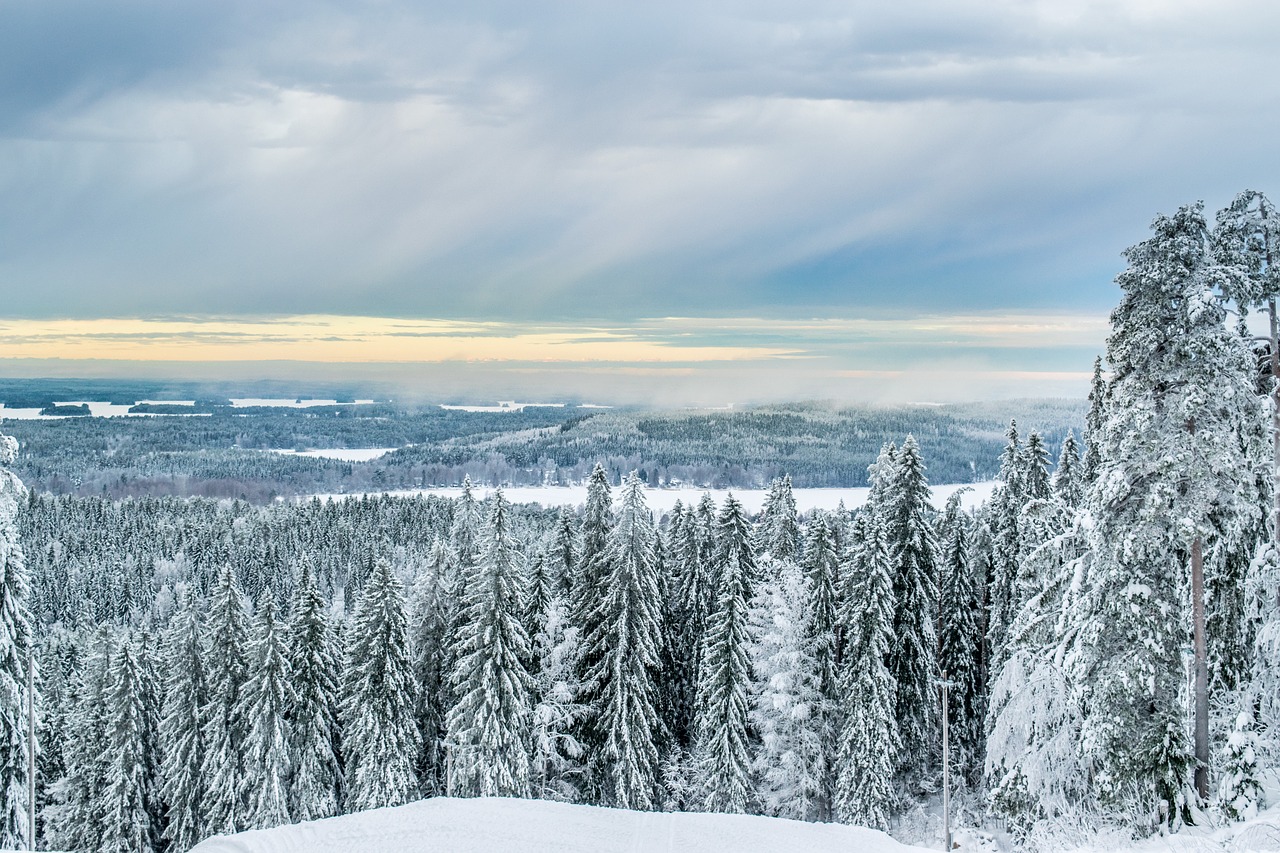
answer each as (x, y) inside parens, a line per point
(220, 453)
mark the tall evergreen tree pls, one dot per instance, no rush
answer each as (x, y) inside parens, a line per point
(265, 701)
(779, 528)
(557, 753)
(1035, 469)
(16, 655)
(312, 659)
(1180, 447)
(913, 550)
(960, 639)
(1068, 476)
(1005, 548)
(623, 657)
(869, 739)
(380, 732)
(787, 704)
(433, 613)
(489, 725)
(821, 563)
(725, 680)
(128, 796)
(1093, 424)
(224, 725)
(77, 818)
(180, 728)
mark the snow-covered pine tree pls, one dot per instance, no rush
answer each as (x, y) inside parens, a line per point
(312, 658)
(224, 726)
(1093, 425)
(1240, 792)
(380, 733)
(57, 664)
(620, 688)
(128, 796)
(913, 550)
(788, 709)
(690, 563)
(432, 612)
(593, 539)
(1035, 469)
(778, 533)
(181, 738)
(821, 564)
(562, 554)
(75, 821)
(960, 639)
(869, 743)
(267, 697)
(1068, 476)
(1002, 515)
(488, 738)
(1180, 448)
(16, 654)
(557, 755)
(725, 680)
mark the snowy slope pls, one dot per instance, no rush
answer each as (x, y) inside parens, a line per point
(539, 826)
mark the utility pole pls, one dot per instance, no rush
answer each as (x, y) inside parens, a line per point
(946, 762)
(31, 751)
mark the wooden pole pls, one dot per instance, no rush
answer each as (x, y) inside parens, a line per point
(946, 765)
(1201, 670)
(31, 752)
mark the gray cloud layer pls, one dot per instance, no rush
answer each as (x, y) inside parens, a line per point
(553, 160)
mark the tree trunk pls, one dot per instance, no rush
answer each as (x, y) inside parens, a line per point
(1201, 670)
(1275, 416)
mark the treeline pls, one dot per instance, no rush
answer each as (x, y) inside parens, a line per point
(221, 455)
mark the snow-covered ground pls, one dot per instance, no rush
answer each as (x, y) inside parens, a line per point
(662, 500)
(538, 826)
(342, 454)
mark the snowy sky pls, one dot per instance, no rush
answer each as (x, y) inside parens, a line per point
(896, 196)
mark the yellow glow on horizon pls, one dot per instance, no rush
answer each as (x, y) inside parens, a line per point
(343, 339)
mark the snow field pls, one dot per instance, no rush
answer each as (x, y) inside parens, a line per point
(540, 826)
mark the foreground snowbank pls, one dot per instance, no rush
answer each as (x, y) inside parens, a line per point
(539, 826)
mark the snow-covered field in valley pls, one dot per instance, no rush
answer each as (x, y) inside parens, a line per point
(539, 826)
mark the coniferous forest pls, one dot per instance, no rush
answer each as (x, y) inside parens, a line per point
(1107, 622)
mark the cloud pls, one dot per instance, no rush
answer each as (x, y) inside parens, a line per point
(575, 160)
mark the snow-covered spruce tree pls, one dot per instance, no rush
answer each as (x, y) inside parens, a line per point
(562, 553)
(488, 738)
(266, 700)
(869, 743)
(1093, 425)
(1068, 477)
(787, 705)
(1035, 469)
(128, 798)
(76, 819)
(433, 607)
(593, 539)
(181, 738)
(224, 727)
(312, 661)
(57, 661)
(16, 654)
(557, 755)
(960, 639)
(379, 731)
(1240, 792)
(912, 661)
(725, 680)
(620, 688)
(778, 530)
(690, 561)
(1002, 519)
(821, 565)
(1180, 448)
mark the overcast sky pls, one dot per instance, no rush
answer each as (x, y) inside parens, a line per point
(605, 165)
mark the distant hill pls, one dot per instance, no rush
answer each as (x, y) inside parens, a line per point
(541, 826)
